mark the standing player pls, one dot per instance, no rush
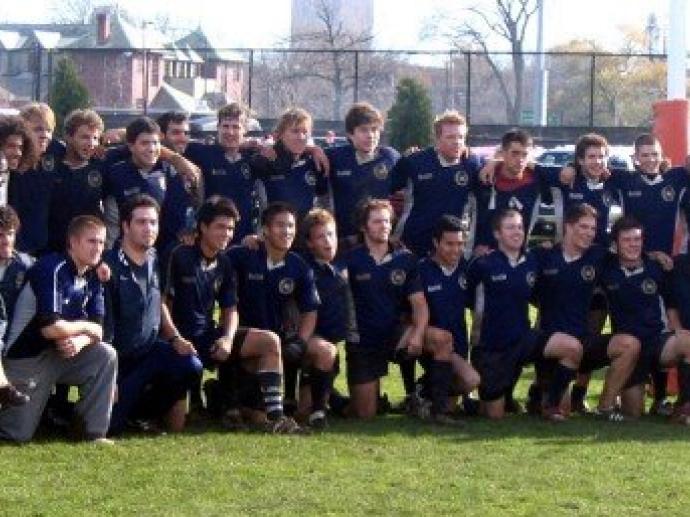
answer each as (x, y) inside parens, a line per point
(515, 184)
(438, 181)
(226, 167)
(293, 176)
(56, 337)
(30, 190)
(78, 177)
(445, 287)
(150, 350)
(154, 172)
(385, 285)
(359, 170)
(276, 293)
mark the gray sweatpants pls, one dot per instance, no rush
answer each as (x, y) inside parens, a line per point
(93, 370)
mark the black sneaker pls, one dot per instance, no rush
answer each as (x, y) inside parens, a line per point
(662, 408)
(318, 421)
(11, 396)
(470, 406)
(609, 415)
(232, 420)
(384, 406)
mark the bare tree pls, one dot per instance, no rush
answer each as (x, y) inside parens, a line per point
(335, 67)
(72, 11)
(508, 20)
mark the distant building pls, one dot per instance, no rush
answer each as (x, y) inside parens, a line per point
(114, 58)
(356, 17)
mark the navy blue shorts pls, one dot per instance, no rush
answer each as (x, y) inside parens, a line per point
(498, 369)
(369, 362)
(204, 342)
(649, 360)
(595, 353)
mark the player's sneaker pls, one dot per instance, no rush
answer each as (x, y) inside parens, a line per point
(11, 396)
(317, 420)
(681, 415)
(232, 420)
(283, 425)
(609, 415)
(662, 408)
(445, 420)
(101, 440)
(579, 406)
(553, 414)
(470, 406)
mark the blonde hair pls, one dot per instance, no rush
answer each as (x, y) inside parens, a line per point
(41, 111)
(292, 117)
(448, 117)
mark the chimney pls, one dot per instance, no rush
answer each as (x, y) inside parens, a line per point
(103, 21)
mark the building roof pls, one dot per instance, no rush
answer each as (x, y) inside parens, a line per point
(169, 98)
(208, 48)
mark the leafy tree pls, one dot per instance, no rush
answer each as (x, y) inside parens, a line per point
(409, 119)
(67, 92)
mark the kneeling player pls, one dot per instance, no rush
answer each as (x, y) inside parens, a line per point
(568, 275)
(384, 282)
(331, 323)
(445, 288)
(503, 281)
(638, 291)
(201, 275)
(277, 293)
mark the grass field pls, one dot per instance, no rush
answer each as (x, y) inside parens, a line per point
(393, 465)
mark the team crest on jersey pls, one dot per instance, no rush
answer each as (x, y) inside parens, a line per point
(515, 203)
(94, 179)
(48, 163)
(398, 277)
(309, 178)
(246, 171)
(380, 171)
(588, 273)
(668, 193)
(531, 278)
(461, 179)
(462, 282)
(286, 286)
(648, 286)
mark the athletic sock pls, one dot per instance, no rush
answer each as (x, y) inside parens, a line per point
(562, 376)
(440, 375)
(578, 393)
(683, 382)
(407, 369)
(320, 382)
(270, 389)
(659, 379)
(290, 375)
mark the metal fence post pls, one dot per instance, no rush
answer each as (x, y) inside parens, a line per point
(468, 94)
(251, 76)
(356, 81)
(592, 79)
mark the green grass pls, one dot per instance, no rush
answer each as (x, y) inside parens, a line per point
(392, 465)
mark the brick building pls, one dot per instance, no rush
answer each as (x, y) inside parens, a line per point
(125, 67)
